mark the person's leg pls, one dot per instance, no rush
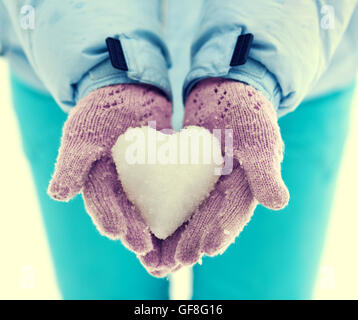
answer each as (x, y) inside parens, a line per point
(277, 255)
(88, 265)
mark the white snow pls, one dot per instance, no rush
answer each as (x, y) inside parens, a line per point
(167, 176)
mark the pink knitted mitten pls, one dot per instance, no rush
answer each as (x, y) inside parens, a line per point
(256, 176)
(85, 162)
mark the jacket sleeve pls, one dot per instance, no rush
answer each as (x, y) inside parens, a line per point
(66, 44)
(294, 42)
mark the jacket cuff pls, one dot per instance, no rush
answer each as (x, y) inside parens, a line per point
(147, 64)
(212, 60)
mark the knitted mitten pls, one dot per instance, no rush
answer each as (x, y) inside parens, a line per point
(256, 175)
(85, 162)
(160, 261)
(257, 152)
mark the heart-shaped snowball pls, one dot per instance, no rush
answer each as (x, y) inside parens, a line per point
(167, 176)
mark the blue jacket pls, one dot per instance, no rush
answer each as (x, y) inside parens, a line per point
(301, 48)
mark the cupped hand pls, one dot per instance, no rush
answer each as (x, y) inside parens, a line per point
(85, 163)
(243, 113)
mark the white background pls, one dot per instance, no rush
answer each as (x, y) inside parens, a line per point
(26, 270)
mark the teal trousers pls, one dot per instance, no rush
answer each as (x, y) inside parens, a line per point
(276, 256)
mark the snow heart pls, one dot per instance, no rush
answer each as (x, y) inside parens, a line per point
(167, 175)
